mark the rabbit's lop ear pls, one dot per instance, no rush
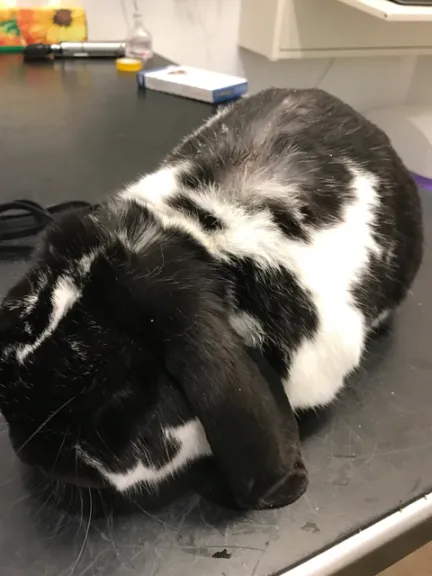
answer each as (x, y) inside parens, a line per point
(253, 433)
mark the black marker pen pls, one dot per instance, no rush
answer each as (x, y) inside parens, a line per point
(75, 50)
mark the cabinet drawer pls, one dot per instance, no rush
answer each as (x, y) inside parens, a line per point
(312, 28)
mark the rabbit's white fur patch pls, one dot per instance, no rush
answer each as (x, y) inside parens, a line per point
(156, 186)
(63, 297)
(192, 442)
(327, 267)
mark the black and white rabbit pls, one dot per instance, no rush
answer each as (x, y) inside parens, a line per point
(286, 224)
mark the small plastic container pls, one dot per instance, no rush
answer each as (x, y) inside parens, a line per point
(139, 42)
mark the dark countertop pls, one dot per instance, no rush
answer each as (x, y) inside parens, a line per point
(79, 130)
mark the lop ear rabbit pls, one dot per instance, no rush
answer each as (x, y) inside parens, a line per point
(286, 224)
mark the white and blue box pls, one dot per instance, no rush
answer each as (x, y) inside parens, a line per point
(195, 83)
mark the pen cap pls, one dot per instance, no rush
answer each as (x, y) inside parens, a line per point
(37, 51)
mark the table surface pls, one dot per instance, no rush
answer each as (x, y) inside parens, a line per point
(78, 130)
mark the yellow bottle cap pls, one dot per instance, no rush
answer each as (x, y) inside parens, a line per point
(128, 64)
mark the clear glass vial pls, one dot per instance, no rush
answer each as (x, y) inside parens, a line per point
(139, 42)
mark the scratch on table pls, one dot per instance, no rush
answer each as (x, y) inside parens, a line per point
(109, 515)
(312, 508)
(353, 431)
(188, 510)
(366, 459)
(415, 487)
(91, 564)
(255, 570)
(156, 519)
(220, 547)
(376, 451)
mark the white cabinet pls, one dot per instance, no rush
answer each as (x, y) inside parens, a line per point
(282, 29)
(392, 11)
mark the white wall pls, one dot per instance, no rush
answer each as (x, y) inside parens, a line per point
(420, 91)
(204, 33)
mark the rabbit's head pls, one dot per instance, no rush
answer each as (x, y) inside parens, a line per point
(118, 365)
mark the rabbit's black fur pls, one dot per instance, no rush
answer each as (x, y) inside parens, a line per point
(286, 224)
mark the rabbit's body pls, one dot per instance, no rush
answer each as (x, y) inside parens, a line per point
(288, 224)
(314, 220)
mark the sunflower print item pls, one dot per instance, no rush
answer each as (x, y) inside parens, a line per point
(24, 26)
(9, 32)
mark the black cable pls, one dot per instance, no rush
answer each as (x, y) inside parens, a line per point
(25, 219)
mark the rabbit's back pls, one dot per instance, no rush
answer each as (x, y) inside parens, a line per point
(313, 218)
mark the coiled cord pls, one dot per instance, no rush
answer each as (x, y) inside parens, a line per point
(25, 220)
